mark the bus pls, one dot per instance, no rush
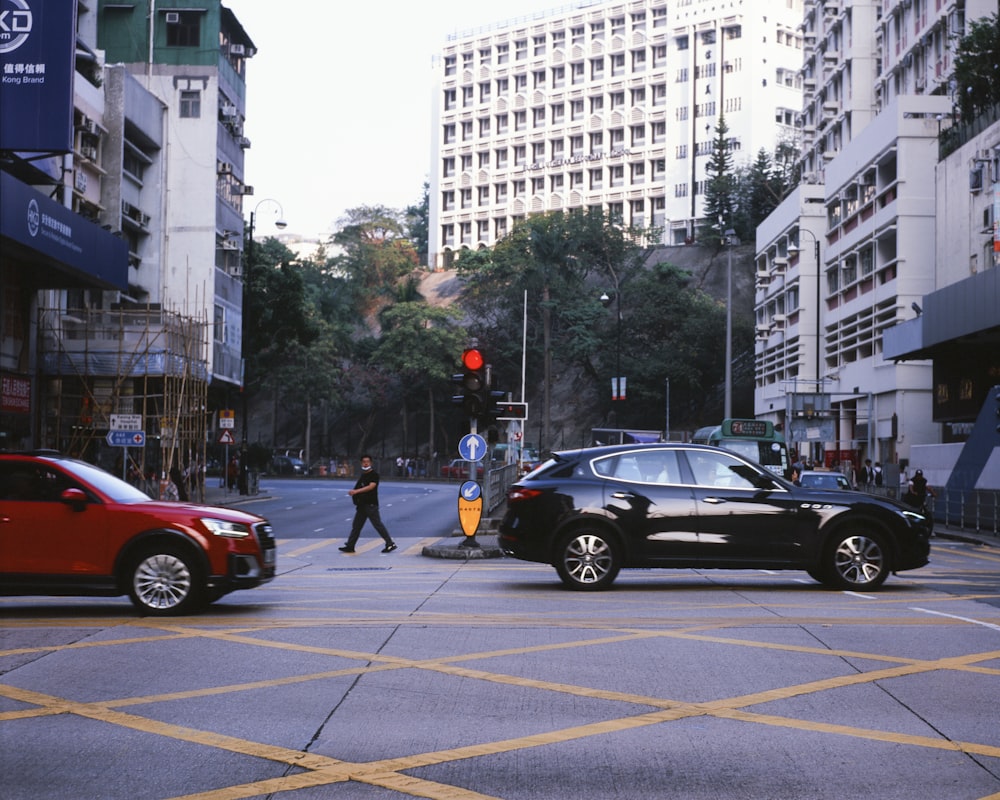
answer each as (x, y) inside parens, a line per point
(755, 439)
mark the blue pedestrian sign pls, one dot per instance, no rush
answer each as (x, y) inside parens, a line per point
(126, 438)
(472, 447)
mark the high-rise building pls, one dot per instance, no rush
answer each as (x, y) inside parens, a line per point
(850, 253)
(609, 105)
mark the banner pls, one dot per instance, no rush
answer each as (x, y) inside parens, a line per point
(37, 65)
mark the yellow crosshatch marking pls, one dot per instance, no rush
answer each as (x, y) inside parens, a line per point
(317, 604)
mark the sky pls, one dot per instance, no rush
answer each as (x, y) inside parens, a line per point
(339, 101)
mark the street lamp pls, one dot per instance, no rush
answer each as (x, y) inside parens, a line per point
(280, 224)
(606, 301)
(730, 241)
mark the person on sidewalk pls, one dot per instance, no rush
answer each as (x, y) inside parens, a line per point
(365, 496)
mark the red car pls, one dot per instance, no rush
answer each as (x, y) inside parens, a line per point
(459, 469)
(70, 528)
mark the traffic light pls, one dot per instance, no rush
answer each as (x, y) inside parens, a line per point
(474, 383)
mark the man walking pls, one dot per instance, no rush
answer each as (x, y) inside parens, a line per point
(365, 496)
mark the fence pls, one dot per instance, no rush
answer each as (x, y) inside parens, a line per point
(977, 509)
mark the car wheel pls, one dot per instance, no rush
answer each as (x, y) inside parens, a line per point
(856, 559)
(165, 580)
(587, 560)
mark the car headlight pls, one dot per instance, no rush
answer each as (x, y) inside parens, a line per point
(230, 530)
(914, 518)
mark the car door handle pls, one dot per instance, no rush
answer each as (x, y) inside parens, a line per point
(713, 500)
(623, 496)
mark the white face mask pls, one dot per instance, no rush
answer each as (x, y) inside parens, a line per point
(366, 468)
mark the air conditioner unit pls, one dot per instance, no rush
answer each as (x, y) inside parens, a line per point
(779, 319)
(243, 189)
(230, 244)
(228, 110)
(779, 264)
(224, 168)
(763, 329)
(243, 142)
(173, 17)
(237, 50)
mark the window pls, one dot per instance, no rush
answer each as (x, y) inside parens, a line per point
(520, 155)
(638, 60)
(558, 77)
(576, 110)
(467, 96)
(537, 185)
(659, 56)
(450, 66)
(538, 117)
(447, 201)
(617, 100)
(617, 137)
(520, 83)
(596, 178)
(658, 166)
(538, 45)
(597, 30)
(556, 183)
(466, 130)
(466, 162)
(596, 141)
(618, 64)
(577, 33)
(190, 104)
(466, 60)
(538, 79)
(720, 470)
(449, 99)
(576, 180)
(484, 92)
(465, 198)
(449, 133)
(521, 50)
(558, 113)
(501, 156)
(520, 120)
(638, 96)
(556, 148)
(597, 104)
(618, 26)
(484, 195)
(558, 38)
(577, 73)
(503, 53)
(448, 167)
(502, 86)
(682, 42)
(659, 94)
(186, 32)
(519, 188)
(482, 229)
(500, 228)
(616, 211)
(596, 68)
(501, 124)
(484, 126)
(638, 133)
(681, 151)
(501, 192)
(484, 160)
(576, 145)
(537, 152)
(637, 172)
(485, 54)
(659, 132)
(616, 175)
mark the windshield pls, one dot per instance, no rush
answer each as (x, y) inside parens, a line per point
(104, 482)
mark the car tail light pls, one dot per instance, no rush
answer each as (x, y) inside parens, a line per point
(519, 493)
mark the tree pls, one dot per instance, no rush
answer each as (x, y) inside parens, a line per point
(759, 189)
(977, 67)
(720, 194)
(418, 225)
(419, 344)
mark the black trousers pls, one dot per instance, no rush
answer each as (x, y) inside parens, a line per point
(367, 512)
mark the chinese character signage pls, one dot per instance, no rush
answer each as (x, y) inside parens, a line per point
(37, 64)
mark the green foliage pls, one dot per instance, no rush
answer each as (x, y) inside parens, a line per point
(720, 188)
(417, 225)
(977, 67)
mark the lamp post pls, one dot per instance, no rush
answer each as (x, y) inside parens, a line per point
(606, 300)
(280, 224)
(730, 240)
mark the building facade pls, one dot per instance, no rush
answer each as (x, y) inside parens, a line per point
(853, 251)
(609, 105)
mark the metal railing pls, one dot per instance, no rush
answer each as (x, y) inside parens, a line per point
(976, 509)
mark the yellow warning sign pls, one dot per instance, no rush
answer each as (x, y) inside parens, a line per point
(470, 507)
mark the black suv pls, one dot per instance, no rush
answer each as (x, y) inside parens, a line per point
(589, 513)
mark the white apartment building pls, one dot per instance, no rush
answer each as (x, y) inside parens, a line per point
(852, 251)
(607, 105)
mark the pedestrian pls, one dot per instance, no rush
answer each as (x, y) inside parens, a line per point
(796, 474)
(365, 496)
(180, 487)
(868, 474)
(878, 473)
(917, 491)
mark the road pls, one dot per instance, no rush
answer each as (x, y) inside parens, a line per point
(400, 676)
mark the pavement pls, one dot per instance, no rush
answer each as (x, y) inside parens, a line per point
(486, 537)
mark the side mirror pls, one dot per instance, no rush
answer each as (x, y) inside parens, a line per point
(74, 498)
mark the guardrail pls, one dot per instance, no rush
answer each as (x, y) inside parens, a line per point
(976, 509)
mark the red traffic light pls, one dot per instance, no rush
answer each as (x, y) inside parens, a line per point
(472, 359)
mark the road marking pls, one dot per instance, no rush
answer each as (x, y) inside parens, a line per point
(971, 621)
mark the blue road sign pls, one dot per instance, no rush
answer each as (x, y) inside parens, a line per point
(472, 447)
(471, 490)
(126, 438)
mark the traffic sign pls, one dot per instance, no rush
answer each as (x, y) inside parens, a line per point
(470, 507)
(472, 447)
(227, 418)
(226, 437)
(126, 438)
(126, 422)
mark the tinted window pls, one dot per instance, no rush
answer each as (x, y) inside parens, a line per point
(721, 470)
(645, 466)
(23, 480)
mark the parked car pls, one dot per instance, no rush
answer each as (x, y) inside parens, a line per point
(825, 480)
(70, 528)
(459, 468)
(589, 513)
(287, 465)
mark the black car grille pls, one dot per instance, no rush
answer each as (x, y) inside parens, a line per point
(265, 536)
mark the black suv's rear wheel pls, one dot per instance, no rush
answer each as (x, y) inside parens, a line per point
(857, 559)
(165, 580)
(587, 559)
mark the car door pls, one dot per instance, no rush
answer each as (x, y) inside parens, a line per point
(39, 533)
(743, 515)
(644, 492)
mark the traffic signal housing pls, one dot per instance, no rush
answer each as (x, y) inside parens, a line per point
(473, 382)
